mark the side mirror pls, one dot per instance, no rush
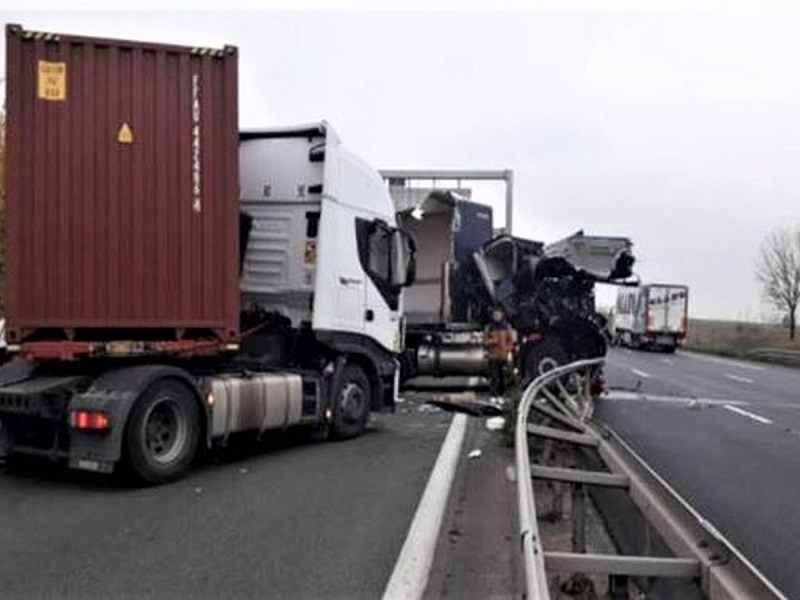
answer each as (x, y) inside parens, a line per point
(404, 259)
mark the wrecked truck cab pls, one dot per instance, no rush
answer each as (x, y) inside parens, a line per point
(606, 258)
(465, 270)
(548, 294)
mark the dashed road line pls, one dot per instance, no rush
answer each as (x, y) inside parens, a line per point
(625, 395)
(722, 361)
(748, 414)
(641, 374)
(739, 379)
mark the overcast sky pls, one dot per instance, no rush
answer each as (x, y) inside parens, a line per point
(680, 130)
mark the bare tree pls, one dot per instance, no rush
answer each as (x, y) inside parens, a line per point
(778, 270)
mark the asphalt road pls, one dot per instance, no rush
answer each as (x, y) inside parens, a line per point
(726, 434)
(285, 519)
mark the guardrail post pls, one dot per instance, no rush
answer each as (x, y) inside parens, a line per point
(618, 587)
(578, 517)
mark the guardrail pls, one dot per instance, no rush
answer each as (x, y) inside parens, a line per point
(778, 355)
(562, 399)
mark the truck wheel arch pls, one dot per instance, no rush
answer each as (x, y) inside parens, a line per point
(378, 363)
(116, 392)
(369, 368)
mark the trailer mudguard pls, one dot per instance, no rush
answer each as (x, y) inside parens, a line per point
(115, 393)
(15, 370)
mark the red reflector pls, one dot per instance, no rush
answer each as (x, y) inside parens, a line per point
(89, 419)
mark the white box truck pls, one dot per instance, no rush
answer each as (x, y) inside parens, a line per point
(652, 316)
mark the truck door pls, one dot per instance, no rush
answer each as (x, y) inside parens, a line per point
(340, 280)
(385, 253)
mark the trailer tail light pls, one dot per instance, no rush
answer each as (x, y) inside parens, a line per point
(89, 419)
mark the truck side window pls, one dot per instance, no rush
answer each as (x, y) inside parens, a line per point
(374, 240)
(380, 249)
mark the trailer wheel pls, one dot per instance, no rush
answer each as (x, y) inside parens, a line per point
(543, 357)
(163, 432)
(352, 403)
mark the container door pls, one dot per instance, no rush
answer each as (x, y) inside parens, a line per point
(677, 310)
(658, 304)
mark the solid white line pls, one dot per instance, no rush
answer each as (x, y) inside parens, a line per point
(640, 373)
(749, 415)
(413, 567)
(739, 379)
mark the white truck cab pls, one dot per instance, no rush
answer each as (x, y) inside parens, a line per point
(323, 246)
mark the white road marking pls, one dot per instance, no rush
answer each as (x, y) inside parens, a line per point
(641, 374)
(748, 414)
(723, 361)
(511, 473)
(413, 567)
(739, 379)
(624, 395)
(666, 361)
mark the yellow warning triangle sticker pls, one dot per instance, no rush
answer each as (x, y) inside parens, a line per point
(125, 134)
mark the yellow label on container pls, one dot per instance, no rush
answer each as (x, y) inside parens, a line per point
(125, 134)
(52, 81)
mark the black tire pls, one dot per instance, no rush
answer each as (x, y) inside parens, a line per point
(163, 432)
(542, 357)
(351, 404)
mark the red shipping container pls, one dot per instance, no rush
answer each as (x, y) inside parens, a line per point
(122, 190)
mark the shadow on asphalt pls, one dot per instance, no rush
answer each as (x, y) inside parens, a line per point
(240, 448)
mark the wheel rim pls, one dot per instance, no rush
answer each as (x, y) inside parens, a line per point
(351, 402)
(165, 431)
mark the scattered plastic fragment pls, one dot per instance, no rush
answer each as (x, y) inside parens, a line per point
(198, 490)
(243, 470)
(495, 423)
(475, 453)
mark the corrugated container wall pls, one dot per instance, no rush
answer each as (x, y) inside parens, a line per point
(122, 189)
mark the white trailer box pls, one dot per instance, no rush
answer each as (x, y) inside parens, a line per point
(652, 316)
